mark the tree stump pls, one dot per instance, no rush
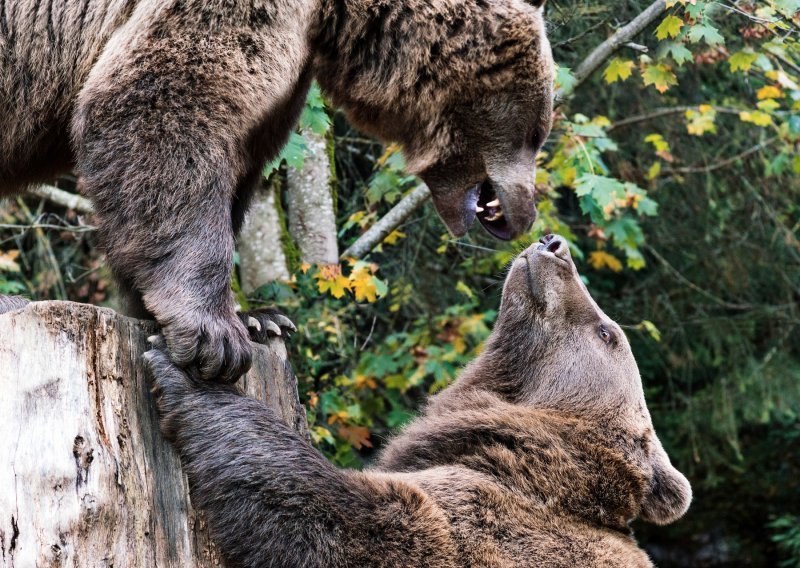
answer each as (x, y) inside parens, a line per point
(86, 478)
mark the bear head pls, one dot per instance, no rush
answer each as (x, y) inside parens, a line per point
(554, 348)
(464, 85)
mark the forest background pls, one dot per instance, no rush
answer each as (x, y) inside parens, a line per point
(674, 171)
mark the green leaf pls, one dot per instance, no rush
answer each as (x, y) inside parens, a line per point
(565, 80)
(647, 206)
(669, 27)
(742, 61)
(677, 51)
(788, 8)
(315, 116)
(618, 70)
(660, 77)
(294, 153)
(707, 33)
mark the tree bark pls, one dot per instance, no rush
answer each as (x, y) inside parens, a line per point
(312, 218)
(86, 479)
(262, 258)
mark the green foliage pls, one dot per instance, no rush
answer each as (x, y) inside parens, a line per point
(787, 535)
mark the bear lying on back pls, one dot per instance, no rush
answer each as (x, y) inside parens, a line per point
(539, 455)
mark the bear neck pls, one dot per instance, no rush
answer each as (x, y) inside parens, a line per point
(573, 467)
(384, 60)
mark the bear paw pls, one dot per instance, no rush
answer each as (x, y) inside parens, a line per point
(265, 323)
(215, 347)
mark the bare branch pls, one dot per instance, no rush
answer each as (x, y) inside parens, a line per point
(622, 36)
(63, 198)
(389, 222)
(666, 111)
(723, 163)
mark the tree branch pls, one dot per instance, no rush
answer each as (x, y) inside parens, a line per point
(666, 111)
(606, 49)
(63, 198)
(389, 222)
(721, 164)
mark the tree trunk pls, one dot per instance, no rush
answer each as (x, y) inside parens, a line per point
(262, 257)
(86, 480)
(312, 217)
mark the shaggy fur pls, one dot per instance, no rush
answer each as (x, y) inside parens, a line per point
(168, 109)
(539, 455)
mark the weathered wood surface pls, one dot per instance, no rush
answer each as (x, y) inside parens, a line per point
(86, 479)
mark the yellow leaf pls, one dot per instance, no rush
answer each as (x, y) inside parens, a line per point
(364, 381)
(393, 237)
(669, 27)
(601, 259)
(330, 279)
(756, 117)
(618, 69)
(769, 92)
(304, 267)
(654, 171)
(658, 142)
(701, 120)
(768, 105)
(363, 284)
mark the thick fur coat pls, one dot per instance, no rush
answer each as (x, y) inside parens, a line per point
(539, 455)
(168, 109)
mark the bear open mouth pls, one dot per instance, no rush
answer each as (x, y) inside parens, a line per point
(490, 212)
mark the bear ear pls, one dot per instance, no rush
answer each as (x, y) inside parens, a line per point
(669, 495)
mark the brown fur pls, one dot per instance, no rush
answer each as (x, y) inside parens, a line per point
(170, 108)
(539, 455)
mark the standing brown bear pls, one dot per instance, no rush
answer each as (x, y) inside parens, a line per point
(538, 456)
(169, 109)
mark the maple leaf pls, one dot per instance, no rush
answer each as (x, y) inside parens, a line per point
(706, 33)
(618, 70)
(356, 436)
(330, 279)
(601, 259)
(756, 117)
(742, 61)
(363, 284)
(669, 27)
(769, 92)
(660, 77)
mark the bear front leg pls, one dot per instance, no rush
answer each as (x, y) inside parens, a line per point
(163, 199)
(174, 118)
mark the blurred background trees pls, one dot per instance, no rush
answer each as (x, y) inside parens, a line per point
(673, 169)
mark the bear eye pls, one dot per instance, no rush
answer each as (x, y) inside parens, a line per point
(604, 334)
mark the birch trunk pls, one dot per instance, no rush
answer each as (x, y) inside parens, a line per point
(261, 255)
(312, 217)
(86, 480)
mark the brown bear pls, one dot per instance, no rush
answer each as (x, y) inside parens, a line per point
(539, 455)
(168, 109)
